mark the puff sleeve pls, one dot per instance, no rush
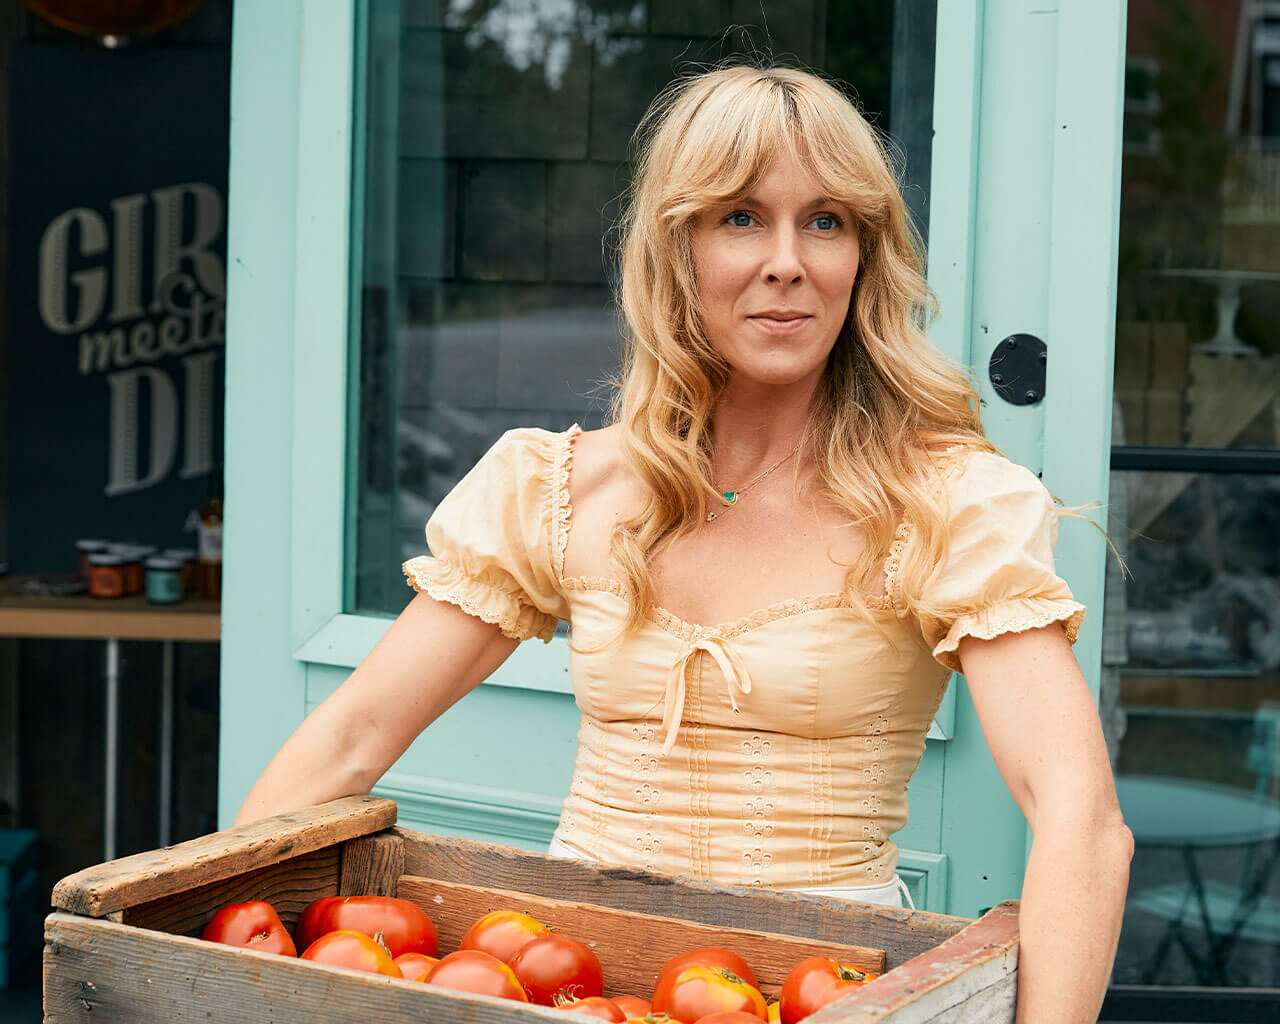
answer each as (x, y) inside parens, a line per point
(491, 538)
(998, 576)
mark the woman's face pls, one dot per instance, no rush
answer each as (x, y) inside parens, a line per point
(775, 275)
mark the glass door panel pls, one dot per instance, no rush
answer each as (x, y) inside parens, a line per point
(495, 142)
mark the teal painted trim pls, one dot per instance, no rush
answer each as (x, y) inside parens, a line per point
(355, 292)
(953, 192)
(345, 640)
(448, 807)
(326, 83)
(1085, 230)
(953, 189)
(262, 686)
(1088, 152)
(926, 878)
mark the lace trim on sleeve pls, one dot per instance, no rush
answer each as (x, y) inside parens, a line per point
(1013, 616)
(561, 511)
(444, 582)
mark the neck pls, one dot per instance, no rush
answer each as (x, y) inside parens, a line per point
(754, 426)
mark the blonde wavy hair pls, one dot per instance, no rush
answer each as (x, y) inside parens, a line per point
(888, 402)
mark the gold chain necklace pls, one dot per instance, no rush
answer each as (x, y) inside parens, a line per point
(730, 498)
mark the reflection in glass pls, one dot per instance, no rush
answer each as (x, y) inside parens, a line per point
(1192, 644)
(1198, 337)
(494, 147)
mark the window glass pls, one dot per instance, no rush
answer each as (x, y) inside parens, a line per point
(493, 146)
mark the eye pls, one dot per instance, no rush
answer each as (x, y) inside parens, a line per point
(826, 222)
(739, 219)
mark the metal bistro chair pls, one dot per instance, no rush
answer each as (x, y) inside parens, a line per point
(1224, 912)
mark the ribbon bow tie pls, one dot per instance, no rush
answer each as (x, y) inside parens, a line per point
(735, 674)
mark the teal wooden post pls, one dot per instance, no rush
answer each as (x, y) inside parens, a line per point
(1045, 263)
(262, 684)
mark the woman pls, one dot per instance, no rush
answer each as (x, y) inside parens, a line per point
(757, 662)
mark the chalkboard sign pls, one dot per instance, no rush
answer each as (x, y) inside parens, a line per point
(117, 294)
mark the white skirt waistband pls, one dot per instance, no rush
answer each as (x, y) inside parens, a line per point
(893, 893)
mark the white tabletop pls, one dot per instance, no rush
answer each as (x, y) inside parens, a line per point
(1169, 811)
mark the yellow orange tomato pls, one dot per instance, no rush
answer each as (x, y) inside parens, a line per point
(692, 992)
(501, 933)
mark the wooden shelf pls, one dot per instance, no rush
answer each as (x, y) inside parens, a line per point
(125, 618)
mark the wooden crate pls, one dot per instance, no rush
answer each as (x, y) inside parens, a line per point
(123, 946)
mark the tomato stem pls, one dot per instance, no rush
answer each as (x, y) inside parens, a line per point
(847, 972)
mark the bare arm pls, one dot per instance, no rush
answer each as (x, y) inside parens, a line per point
(432, 656)
(1041, 724)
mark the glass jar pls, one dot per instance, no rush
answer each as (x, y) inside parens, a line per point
(106, 575)
(85, 548)
(164, 580)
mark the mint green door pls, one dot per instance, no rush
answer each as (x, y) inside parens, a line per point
(1021, 179)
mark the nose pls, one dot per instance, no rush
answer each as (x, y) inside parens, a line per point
(783, 264)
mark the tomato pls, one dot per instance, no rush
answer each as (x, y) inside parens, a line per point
(696, 990)
(653, 1018)
(254, 925)
(632, 1006)
(729, 1017)
(502, 932)
(348, 948)
(595, 1006)
(711, 956)
(556, 965)
(814, 983)
(308, 929)
(414, 966)
(774, 1012)
(473, 970)
(405, 927)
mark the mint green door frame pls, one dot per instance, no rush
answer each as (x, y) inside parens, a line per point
(1024, 214)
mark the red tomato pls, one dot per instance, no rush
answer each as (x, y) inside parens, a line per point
(729, 1017)
(632, 1006)
(692, 992)
(653, 1018)
(472, 970)
(595, 1006)
(414, 966)
(254, 925)
(710, 956)
(308, 929)
(556, 965)
(814, 983)
(347, 948)
(405, 927)
(502, 932)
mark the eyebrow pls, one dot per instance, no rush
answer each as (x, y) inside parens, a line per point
(811, 205)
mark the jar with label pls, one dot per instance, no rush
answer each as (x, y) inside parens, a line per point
(164, 580)
(132, 562)
(85, 548)
(209, 564)
(106, 575)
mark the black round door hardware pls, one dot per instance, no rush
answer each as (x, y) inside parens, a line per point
(1017, 369)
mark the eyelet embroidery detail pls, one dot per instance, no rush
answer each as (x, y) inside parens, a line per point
(876, 745)
(758, 810)
(645, 762)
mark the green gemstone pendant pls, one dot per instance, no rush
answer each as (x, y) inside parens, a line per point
(729, 497)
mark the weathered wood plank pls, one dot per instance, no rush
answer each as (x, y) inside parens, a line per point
(288, 886)
(902, 934)
(632, 947)
(99, 890)
(996, 1004)
(371, 865)
(115, 974)
(956, 970)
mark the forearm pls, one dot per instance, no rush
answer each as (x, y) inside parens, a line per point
(1072, 903)
(313, 767)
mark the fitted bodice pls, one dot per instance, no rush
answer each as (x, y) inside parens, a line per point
(772, 750)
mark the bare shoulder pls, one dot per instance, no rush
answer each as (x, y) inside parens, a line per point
(598, 465)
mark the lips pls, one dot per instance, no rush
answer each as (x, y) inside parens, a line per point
(780, 321)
